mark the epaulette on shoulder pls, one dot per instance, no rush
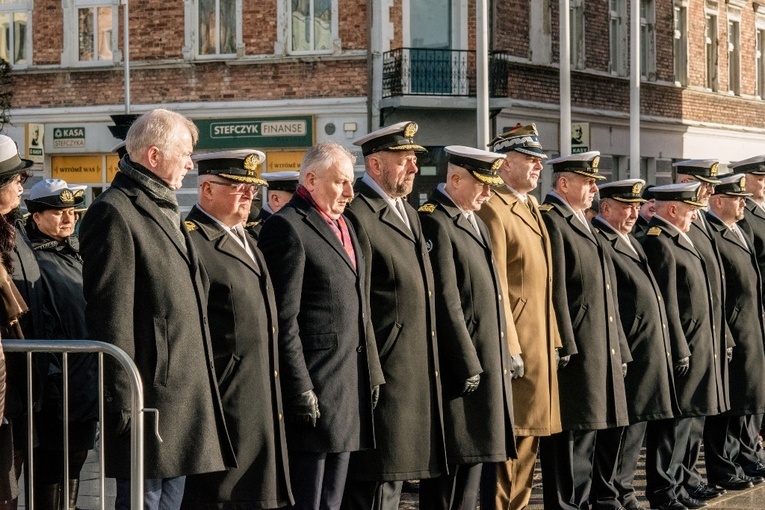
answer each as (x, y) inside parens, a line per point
(653, 231)
(545, 207)
(190, 226)
(251, 224)
(427, 208)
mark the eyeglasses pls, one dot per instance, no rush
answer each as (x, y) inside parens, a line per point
(240, 188)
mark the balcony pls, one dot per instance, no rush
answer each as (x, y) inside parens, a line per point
(428, 72)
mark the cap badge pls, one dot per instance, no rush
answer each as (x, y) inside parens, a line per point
(497, 165)
(595, 162)
(637, 188)
(742, 183)
(79, 193)
(66, 197)
(190, 226)
(410, 130)
(251, 164)
(713, 170)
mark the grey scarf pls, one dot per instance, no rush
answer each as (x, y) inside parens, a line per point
(159, 192)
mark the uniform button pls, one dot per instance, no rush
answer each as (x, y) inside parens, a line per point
(273, 329)
(276, 373)
(436, 373)
(715, 356)
(360, 348)
(499, 297)
(280, 416)
(608, 286)
(610, 319)
(659, 298)
(502, 334)
(663, 326)
(433, 333)
(430, 293)
(504, 371)
(613, 351)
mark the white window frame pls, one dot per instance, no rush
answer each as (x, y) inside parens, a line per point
(759, 56)
(618, 63)
(734, 56)
(711, 49)
(577, 34)
(20, 6)
(680, 39)
(283, 44)
(71, 53)
(191, 47)
(648, 40)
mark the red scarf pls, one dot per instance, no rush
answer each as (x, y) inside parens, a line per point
(342, 232)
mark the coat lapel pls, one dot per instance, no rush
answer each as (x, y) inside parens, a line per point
(317, 223)
(613, 237)
(386, 214)
(457, 217)
(156, 214)
(223, 241)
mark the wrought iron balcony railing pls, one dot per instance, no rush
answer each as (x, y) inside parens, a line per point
(428, 72)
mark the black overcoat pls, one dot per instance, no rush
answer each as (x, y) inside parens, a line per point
(744, 313)
(241, 310)
(145, 294)
(409, 415)
(472, 335)
(649, 383)
(754, 225)
(680, 272)
(324, 331)
(591, 385)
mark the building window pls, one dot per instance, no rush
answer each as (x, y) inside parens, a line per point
(540, 33)
(760, 61)
(619, 57)
(217, 26)
(576, 33)
(311, 26)
(680, 20)
(734, 56)
(647, 39)
(90, 32)
(710, 50)
(14, 30)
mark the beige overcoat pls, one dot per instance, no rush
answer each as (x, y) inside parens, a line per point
(522, 254)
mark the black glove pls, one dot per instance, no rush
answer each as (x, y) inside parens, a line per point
(123, 422)
(305, 408)
(518, 367)
(375, 395)
(624, 370)
(470, 384)
(561, 360)
(682, 366)
(729, 353)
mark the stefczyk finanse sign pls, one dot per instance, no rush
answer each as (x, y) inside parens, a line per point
(265, 132)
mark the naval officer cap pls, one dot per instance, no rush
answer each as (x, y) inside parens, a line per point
(629, 191)
(244, 165)
(523, 139)
(10, 161)
(54, 194)
(483, 165)
(704, 170)
(732, 185)
(647, 193)
(398, 137)
(754, 165)
(686, 192)
(583, 163)
(282, 181)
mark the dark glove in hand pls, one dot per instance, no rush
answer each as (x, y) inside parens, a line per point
(682, 366)
(563, 361)
(123, 422)
(305, 408)
(729, 353)
(518, 367)
(470, 384)
(624, 370)
(375, 395)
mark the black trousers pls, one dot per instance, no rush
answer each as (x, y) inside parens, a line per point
(721, 447)
(456, 491)
(665, 444)
(626, 465)
(366, 495)
(578, 469)
(318, 479)
(690, 478)
(750, 450)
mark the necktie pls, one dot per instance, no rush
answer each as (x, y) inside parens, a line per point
(401, 210)
(471, 217)
(239, 232)
(740, 235)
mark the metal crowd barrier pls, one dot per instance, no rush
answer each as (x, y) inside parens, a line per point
(136, 412)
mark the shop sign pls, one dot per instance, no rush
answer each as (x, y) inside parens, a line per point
(256, 133)
(69, 138)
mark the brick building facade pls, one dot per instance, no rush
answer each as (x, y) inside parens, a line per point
(342, 67)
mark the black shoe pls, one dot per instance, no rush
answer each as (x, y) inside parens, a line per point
(704, 491)
(757, 469)
(734, 483)
(754, 479)
(671, 505)
(689, 502)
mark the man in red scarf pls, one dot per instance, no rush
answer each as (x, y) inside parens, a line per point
(330, 369)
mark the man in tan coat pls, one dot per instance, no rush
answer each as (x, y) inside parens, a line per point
(522, 253)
